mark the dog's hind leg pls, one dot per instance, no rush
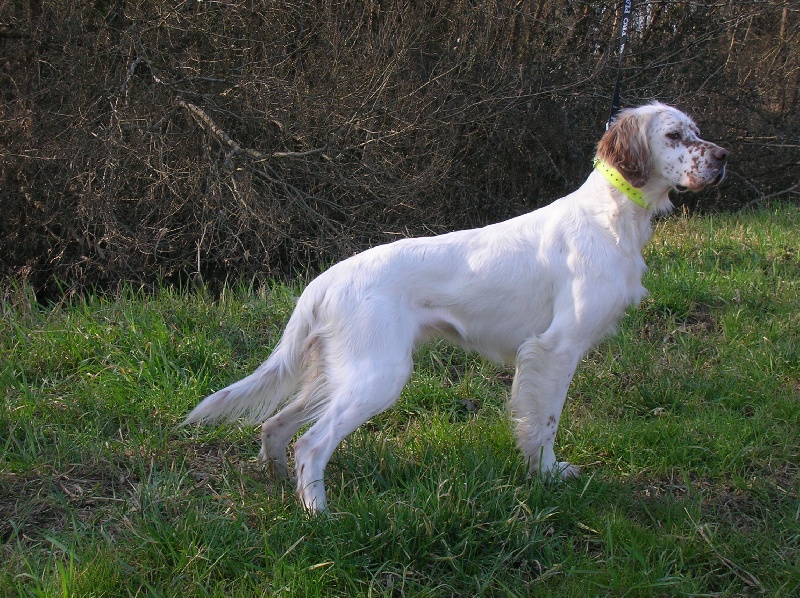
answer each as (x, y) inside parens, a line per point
(279, 429)
(358, 391)
(276, 433)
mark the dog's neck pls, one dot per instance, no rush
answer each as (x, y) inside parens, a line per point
(614, 176)
(613, 209)
(652, 197)
(646, 201)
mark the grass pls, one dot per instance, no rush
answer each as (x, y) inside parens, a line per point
(687, 423)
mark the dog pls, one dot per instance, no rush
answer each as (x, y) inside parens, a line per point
(537, 291)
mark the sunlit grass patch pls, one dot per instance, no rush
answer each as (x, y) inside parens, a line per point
(686, 423)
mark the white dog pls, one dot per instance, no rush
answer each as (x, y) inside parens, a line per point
(537, 291)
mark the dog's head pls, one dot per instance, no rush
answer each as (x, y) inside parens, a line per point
(657, 140)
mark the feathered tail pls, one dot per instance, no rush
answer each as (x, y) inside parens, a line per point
(260, 394)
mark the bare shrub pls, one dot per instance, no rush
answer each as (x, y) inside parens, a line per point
(144, 142)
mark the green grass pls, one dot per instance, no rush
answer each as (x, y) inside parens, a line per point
(687, 423)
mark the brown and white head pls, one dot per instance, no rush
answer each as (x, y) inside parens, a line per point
(658, 146)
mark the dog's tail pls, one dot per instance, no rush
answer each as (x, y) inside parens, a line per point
(260, 394)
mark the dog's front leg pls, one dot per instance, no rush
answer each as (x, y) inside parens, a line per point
(543, 374)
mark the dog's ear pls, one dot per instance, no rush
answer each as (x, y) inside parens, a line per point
(624, 146)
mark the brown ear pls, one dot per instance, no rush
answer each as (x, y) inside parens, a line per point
(624, 146)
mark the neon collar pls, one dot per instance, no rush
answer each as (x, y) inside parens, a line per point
(614, 177)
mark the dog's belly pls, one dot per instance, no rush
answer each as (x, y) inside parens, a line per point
(494, 333)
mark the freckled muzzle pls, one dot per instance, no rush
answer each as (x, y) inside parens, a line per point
(715, 158)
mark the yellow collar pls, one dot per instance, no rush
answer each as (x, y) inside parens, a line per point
(614, 177)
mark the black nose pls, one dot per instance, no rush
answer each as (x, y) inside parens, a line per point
(720, 153)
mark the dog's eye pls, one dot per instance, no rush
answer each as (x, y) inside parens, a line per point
(674, 135)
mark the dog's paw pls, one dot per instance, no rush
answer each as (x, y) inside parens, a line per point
(558, 471)
(565, 471)
(275, 468)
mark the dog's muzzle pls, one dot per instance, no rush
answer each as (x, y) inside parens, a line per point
(720, 156)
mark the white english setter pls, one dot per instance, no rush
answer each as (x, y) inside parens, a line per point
(537, 291)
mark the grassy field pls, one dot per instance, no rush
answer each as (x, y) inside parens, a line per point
(687, 424)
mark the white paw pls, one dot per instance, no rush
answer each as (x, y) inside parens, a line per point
(312, 497)
(277, 469)
(565, 471)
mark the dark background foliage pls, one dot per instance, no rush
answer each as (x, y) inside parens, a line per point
(144, 141)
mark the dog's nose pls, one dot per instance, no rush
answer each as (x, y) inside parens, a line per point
(720, 153)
